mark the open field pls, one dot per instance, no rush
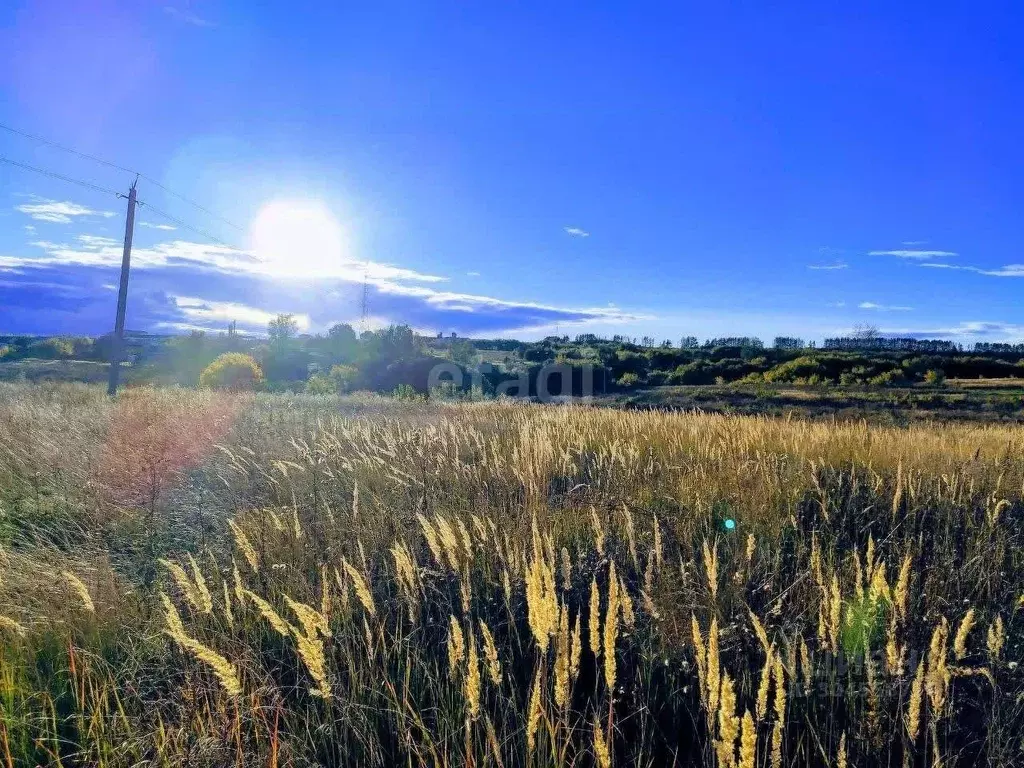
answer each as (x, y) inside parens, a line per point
(192, 578)
(85, 371)
(879, 405)
(982, 383)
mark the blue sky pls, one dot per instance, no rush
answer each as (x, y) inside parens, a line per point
(672, 169)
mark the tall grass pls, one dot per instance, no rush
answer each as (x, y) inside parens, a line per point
(205, 580)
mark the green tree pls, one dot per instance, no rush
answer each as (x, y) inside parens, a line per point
(341, 343)
(51, 349)
(462, 352)
(282, 329)
(344, 377)
(935, 377)
(233, 371)
(396, 342)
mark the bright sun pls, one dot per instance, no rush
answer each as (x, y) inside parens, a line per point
(298, 238)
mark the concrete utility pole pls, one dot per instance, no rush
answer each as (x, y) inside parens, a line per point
(117, 350)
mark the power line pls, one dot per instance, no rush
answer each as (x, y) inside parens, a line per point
(117, 167)
(186, 225)
(105, 190)
(61, 177)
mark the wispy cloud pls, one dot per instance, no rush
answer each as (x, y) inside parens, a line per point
(837, 265)
(186, 15)
(58, 212)
(576, 232)
(971, 330)
(1010, 270)
(914, 254)
(882, 307)
(472, 274)
(913, 243)
(96, 242)
(163, 227)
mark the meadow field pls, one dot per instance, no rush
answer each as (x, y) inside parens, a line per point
(207, 579)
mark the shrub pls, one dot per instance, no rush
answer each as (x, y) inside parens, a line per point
(319, 384)
(628, 379)
(232, 370)
(344, 377)
(935, 377)
(406, 392)
(801, 368)
(889, 378)
(51, 349)
(697, 372)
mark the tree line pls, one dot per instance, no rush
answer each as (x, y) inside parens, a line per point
(395, 358)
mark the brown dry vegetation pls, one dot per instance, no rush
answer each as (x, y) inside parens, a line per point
(191, 579)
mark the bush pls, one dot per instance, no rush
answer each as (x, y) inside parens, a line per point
(406, 392)
(935, 377)
(319, 384)
(628, 380)
(697, 372)
(889, 378)
(51, 349)
(232, 370)
(343, 377)
(801, 368)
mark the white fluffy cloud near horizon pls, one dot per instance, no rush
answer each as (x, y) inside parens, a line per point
(182, 284)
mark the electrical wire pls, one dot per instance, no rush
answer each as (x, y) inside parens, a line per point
(186, 225)
(53, 175)
(117, 167)
(105, 190)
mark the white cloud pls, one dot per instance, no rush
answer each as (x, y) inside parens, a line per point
(96, 242)
(99, 252)
(1009, 270)
(216, 314)
(164, 227)
(186, 15)
(398, 294)
(914, 254)
(913, 243)
(576, 232)
(30, 228)
(838, 265)
(971, 330)
(472, 274)
(467, 302)
(882, 307)
(58, 212)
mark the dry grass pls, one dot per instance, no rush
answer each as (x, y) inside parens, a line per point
(994, 383)
(196, 580)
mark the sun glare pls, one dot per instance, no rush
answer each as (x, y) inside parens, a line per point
(298, 239)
